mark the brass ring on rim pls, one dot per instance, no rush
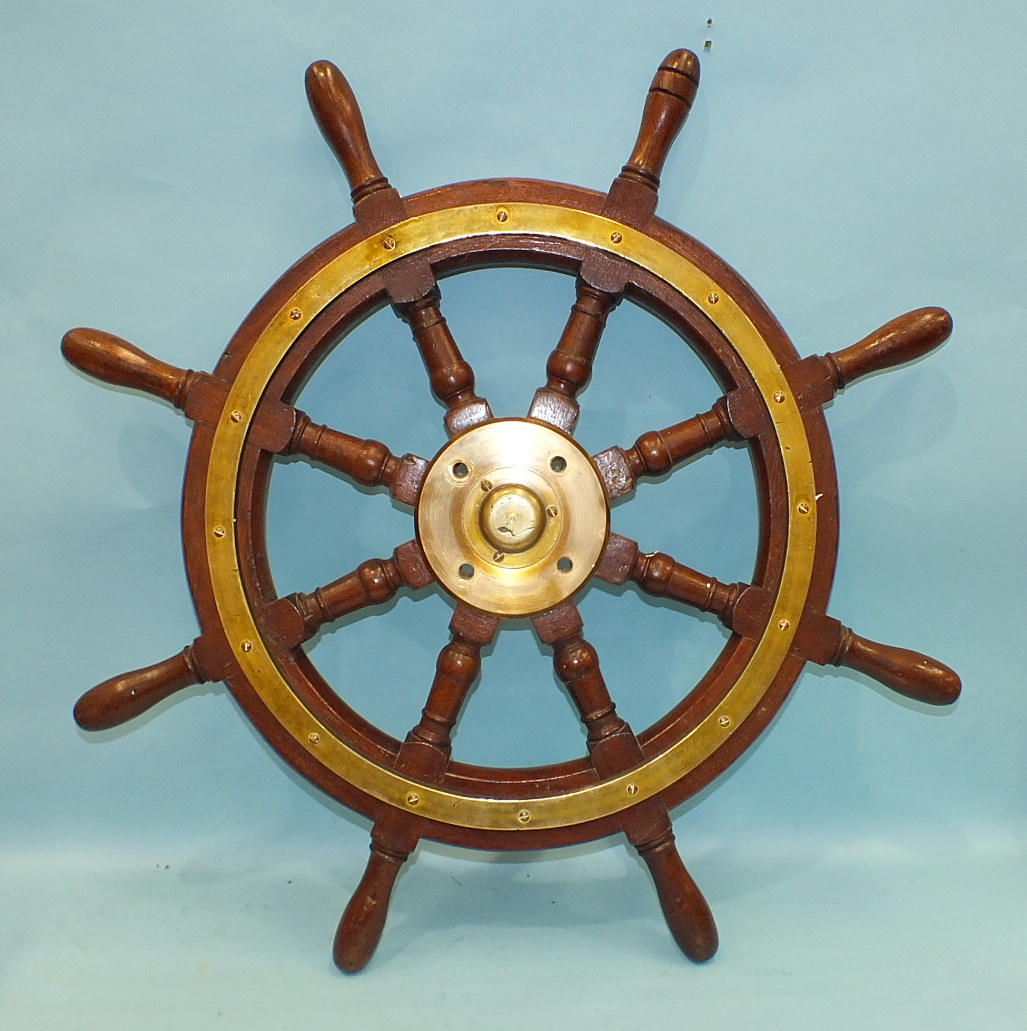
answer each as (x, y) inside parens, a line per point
(301, 724)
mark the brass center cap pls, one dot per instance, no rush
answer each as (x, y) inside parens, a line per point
(512, 518)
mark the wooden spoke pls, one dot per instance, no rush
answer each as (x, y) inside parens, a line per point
(614, 749)
(297, 617)
(367, 461)
(745, 609)
(824, 640)
(423, 757)
(410, 282)
(275, 427)
(602, 277)
(425, 752)
(660, 575)
(451, 378)
(337, 113)
(659, 451)
(116, 361)
(570, 365)
(122, 698)
(818, 378)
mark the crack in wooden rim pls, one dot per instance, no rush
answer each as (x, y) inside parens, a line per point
(256, 662)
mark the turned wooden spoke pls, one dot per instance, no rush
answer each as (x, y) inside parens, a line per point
(338, 115)
(409, 282)
(614, 749)
(451, 378)
(570, 365)
(116, 361)
(818, 378)
(602, 277)
(659, 451)
(124, 697)
(274, 426)
(367, 461)
(741, 414)
(297, 617)
(424, 757)
(819, 638)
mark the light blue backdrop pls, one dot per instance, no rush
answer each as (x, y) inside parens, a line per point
(160, 169)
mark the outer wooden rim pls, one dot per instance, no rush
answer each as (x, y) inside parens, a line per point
(254, 472)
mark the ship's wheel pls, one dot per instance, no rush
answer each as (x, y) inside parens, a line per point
(512, 517)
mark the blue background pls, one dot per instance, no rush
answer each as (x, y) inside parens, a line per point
(865, 861)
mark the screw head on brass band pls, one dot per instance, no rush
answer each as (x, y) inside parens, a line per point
(513, 517)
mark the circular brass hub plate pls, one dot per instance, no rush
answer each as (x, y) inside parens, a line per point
(512, 517)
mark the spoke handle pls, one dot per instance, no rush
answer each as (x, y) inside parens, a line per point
(338, 115)
(666, 107)
(905, 671)
(362, 923)
(124, 697)
(116, 361)
(907, 337)
(687, 913)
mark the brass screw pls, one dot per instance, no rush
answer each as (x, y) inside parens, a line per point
(523, 816)
(498, 556)
(783, 624)
(713, 297)
(247, 646)
(779, 396)
(314, 737)
(295, 314)
(237, 416)
(724, 721)
(413, 798)
(803, 507)
(219, 532)
(632, 789)
(551, 511)
(486, 485)
(616, 237)
(389, 243)
(502, 215)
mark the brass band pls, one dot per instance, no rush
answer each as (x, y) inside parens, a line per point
(252, 653)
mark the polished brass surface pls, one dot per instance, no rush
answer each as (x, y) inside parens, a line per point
(512, 518)
(483, 517)
(661, 770)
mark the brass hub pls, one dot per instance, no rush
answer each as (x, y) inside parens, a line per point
(513, 517)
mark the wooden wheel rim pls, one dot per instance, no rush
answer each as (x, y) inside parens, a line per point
(328, 292)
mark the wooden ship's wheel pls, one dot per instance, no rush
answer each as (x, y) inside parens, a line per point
(512, 516)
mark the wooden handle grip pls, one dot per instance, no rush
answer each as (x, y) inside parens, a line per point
(338, 115)
(688, 915)
(122, 698)
(907, 672)
(899, 341)
(362, 924)
(116, 361)
(666, 108)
